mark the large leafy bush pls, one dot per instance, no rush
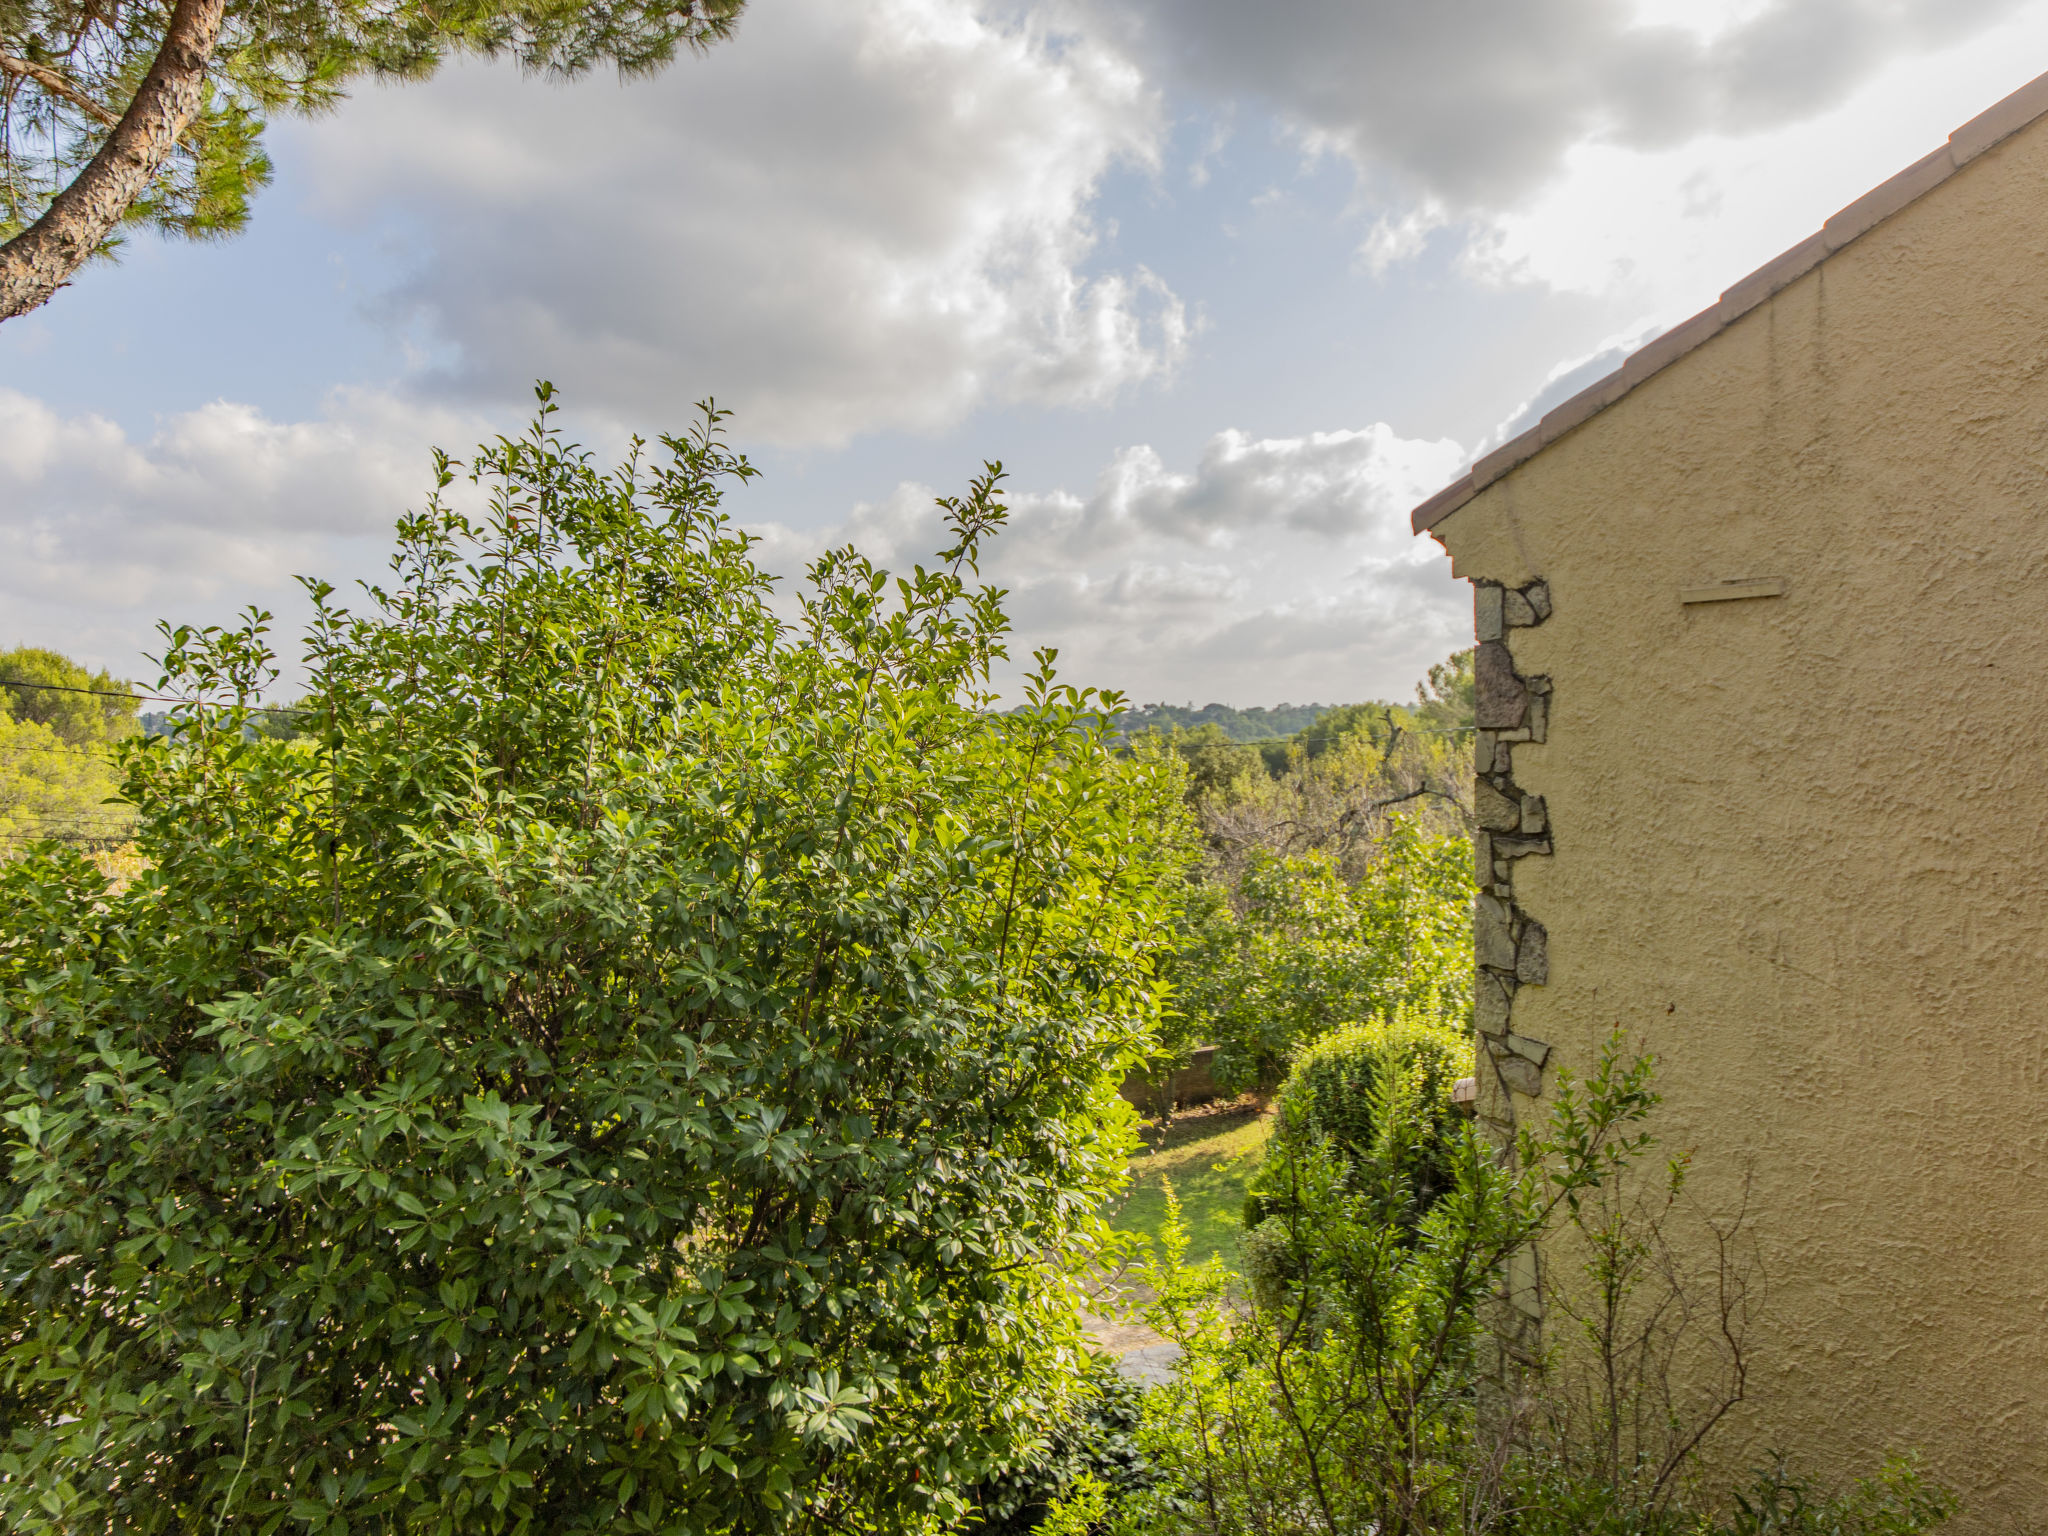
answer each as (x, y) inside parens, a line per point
(635, 1063)
(1338, 1086)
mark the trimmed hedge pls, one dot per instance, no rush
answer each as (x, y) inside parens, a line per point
(1334, 1093)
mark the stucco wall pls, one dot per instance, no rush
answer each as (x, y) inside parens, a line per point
(1801, 842)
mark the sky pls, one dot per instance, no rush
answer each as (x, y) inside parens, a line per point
(1225, 288)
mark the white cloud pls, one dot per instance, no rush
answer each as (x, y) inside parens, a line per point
(850, 217)
(1477, 103)
(1272, 569)
(220, 507)
(1327, 482)
(1659, 233)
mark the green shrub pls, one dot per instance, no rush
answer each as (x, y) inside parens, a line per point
(1332, 1093)
(1091, 1453)
(1348, 1094)
(644, 1060)
(1898, 1501)
(1339, 1091)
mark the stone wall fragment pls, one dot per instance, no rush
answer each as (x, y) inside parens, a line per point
(1523, 1077)
(1487, 604)
(1491, 997)
(1497, 812)
(1493, 940)
(1500, 701)
(1511, 949)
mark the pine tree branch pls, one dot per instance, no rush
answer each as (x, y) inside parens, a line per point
(39, 260)
(56, 85)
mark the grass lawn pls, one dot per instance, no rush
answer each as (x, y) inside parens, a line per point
(1210, 1158)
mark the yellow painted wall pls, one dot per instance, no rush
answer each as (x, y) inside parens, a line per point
(1801, 843)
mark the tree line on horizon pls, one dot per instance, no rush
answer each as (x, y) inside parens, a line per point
(1257, 723)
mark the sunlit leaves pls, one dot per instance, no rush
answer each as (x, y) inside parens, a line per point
(631, 1063)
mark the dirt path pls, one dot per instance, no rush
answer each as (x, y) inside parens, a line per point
(1140, 1353)
(1208, 1153)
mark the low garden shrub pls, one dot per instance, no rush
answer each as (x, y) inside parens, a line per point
(1340, 1088)
(1365, 1388)
(1346, 1093)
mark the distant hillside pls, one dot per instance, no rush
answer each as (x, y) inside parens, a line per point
(1238, 724)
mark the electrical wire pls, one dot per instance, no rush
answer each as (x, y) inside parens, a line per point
(159, 698)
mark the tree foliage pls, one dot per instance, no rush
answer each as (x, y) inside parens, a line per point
(74, 72)
(81, 708)
(1332, 883)
(1292, 951)
(58, 722)
(634, 1064)
(1337, 786)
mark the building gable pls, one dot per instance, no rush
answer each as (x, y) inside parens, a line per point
(2016, 112)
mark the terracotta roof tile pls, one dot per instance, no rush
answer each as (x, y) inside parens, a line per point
(1779, 273)
(1443, 503)
(1887, 198)
(1490, 467)
(1653, 356)
(2001, 121)
(1588, 402)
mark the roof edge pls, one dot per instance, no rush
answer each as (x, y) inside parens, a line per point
(1988, 128)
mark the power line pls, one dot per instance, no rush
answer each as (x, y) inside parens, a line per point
(54, 828)
(60, 748)
(158, 698)
(30, 754)
(32, 813)
(30, 823)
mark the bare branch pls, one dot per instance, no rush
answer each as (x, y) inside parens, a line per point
(56, 85)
